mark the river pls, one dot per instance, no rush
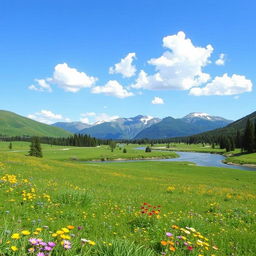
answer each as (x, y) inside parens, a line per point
(200, 159)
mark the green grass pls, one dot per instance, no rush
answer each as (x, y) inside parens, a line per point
(105, 200)
(86, 153)
(12, 124)
(204, 148)
(243, 159)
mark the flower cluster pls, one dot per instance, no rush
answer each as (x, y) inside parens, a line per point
(40, 247)
(186, 239)
(8, 178)
(150, 210)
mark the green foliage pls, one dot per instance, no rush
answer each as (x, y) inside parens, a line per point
(35, 148)
(148, 149)
(124, 248)
(75, 197)
(248, 139)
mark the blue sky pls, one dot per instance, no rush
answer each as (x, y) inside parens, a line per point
(56, 57)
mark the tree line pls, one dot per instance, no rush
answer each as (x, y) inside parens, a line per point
(78, 140)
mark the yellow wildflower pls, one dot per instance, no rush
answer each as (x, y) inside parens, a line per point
(15, 236)
(14, 248)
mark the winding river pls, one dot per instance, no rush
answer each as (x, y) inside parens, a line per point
(200, 159)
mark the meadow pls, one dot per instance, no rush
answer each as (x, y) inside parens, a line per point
(67, 153)
(243, 159)
(55, 206)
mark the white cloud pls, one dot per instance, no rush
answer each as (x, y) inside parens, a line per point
(221, 60)
(157, 100)
(70, 79)
(180, 67)
(224, 85)
(95, 118)
(41, 85)
(47, 117)
(125, 66)
(112, 88)
(85, 120)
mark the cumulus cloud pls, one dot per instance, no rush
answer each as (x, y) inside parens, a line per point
(180, 67)
(47, 117)
(70, 79)
(125, 66)
(224, 85)
(112, 88)
(41, 85)
(157, 100)
(97, 118)
(221, 60)
(67, 78)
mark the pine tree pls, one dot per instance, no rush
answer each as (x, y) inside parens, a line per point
(238, 140)
(248, 139)
(35, 148)
(227, 144)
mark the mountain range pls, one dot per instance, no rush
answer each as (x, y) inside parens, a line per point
(140, 126)
(232, 128)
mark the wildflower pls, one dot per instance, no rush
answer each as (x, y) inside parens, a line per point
(70, 227)
(66, 244)
(190, 248)
(14, 248)
(33, 241)
(91, 242)
(15, 236)
(31, 250)
(25, 232)
(65, 230)
(47, 248)
(164, 243)
(172, 249)
(51, 244)
(169, 234)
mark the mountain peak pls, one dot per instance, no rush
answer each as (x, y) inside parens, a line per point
(197, 114)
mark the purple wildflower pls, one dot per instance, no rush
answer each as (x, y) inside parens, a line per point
(51, 244)
(169, 234)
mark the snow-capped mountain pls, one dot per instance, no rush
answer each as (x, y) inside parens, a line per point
(192, 123)
(121, 128)
(192, 117)
(148, 127)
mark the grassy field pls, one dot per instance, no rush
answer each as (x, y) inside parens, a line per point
(120, 209)
(244, 159)
(204, 148)
(86, 154)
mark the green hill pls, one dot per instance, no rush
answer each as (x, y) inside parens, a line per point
(12, 124)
